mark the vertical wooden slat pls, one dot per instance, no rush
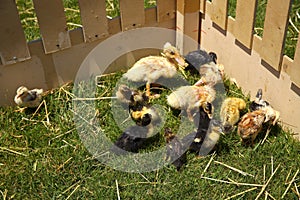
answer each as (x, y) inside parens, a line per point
(166, 9)
(132, 14)
(13, 46)
(217, 11)
(187, 24)
(275, 26)
(52, 23)
(93, 18)
(202, 6)
(295, 69)
(244, 22)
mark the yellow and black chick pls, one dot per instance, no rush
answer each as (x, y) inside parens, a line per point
(230, 112)
(175, 152)
(136, 101)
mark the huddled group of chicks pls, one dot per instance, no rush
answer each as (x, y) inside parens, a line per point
(196, 102)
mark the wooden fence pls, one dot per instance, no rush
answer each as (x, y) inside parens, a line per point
(255, 62)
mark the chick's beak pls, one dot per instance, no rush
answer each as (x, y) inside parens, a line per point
(181, 61)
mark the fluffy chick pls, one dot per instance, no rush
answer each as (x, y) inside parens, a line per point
(197, 58)
(211, 74)
(230, 112)
(28, 98)
(258, 103)
(189, 98)
(150, 69)
(250, 125)
(193, 141)
(174, 149)
(131, 140)
(204, 139)
(272, 115)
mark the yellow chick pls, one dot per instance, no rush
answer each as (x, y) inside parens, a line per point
(28, 98)
(190, 98)
(149, 69)
(230, 111)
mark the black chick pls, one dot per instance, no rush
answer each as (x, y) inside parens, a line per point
(194, 140)
(258, 103)
(200, 57)
(174, 150)
(134, 137)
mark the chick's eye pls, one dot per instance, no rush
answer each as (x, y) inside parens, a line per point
(172, 53)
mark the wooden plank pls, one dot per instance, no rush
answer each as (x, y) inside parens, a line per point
(93, 18)
(187, 24)
(52, 23)
(295, 69)
(132, 14)
(166, 9)
(13, 46)
(202, 6)
(275, 25)
(218, 12)
(244, 22)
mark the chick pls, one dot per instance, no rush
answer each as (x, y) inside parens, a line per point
(204, 139)
(137, 101)
(28, 98)
(197, 58)
(212, 137)
(230, 112)
(131, 140)
(193, 141)
(211, 74)
(174, 149)
(250, 125)
(258, 103)
(189, 98)
(150, 69)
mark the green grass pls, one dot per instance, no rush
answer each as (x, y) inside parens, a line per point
(41, 160)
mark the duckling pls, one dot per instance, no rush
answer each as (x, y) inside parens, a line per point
(149, 69)
(250, 125)
(28, 98)
(230, 111)
(174, 149)
(189, 98)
